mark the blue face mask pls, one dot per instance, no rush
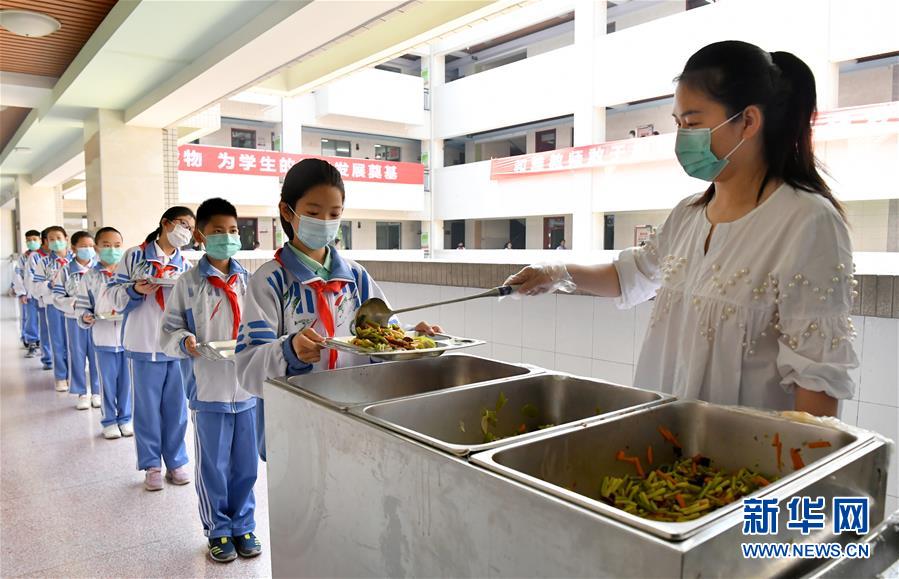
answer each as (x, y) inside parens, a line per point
(85, 253)
(693, 148)
(111, 255)
(315, 233)
(222, 245)
(33, 245)
(58, 245)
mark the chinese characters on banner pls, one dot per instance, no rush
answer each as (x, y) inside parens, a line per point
(828, 125)
(234, 161)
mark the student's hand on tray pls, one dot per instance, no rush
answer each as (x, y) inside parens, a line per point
(144, 287)
(88, 319)
(426, 328)
(307, 345)
(190, 344)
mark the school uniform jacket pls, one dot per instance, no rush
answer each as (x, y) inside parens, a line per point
(196, 307)
(94, 298)
(280, 303)
(65, 289)
(143, 314)
(19, 270)
(43, 274)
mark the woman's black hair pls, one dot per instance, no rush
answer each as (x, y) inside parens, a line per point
(104, 230)
(79, 235)
(170, 214)
(738, 75)
(302, 177)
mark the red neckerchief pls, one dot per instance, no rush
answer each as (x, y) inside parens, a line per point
(228, 288)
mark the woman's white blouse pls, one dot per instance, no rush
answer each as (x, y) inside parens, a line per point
(765, 309)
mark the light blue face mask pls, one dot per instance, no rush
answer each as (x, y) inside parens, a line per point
(222, 245)
(315, 233)
(85, 253)
(693, 148)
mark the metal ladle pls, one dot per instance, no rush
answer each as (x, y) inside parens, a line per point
(376, 311)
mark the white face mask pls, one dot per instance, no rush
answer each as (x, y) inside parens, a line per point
(179, 236)
(315, 233)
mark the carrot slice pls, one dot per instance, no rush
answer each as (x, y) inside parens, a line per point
(797, 459)
(819, 444)
(666, 477)
(619, 455)
(680, 500)
(649, 454)
(779, 448)
(666, 434)
(760, 480)
(636, 461)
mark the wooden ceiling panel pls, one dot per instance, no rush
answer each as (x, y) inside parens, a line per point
(51, 55)
(10, 119)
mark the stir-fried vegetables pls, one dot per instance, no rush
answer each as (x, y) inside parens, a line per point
(386, 339)
(683, 491)
(490, 420)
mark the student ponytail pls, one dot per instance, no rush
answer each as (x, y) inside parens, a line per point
(170, 214)
(737, 75)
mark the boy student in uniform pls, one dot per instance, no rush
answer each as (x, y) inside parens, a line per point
(80, 346)
(44, 277)
(30, 335)
(106, 335)
(33, 278)
(308, 292)
(160, 408)
(205, 307)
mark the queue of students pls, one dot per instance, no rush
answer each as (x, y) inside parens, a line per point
(122, 331)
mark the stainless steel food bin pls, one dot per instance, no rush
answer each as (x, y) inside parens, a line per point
(349, 498)
(572, 463)
(451, 419)
(883, 562)
(347, 387)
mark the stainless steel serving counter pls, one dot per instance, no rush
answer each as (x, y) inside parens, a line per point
(352, 498)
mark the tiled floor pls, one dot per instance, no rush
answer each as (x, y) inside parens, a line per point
(72, 503)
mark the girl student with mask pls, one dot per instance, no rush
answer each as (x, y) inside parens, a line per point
(80, 345)
(160, 405)
(308, 292)
(753, 278)
(106, 335)
(43, 277)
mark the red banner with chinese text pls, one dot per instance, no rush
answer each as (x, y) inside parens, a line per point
(234, 161)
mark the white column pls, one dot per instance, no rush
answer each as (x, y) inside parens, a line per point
(434, 74)
(589, 116)
(36, 207)
(124, 175)
(291, 125)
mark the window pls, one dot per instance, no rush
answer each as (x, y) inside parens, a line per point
(388, 235)
(243, 138)
(248, 227)
(332, 148)
(387, 153)
(546, 140)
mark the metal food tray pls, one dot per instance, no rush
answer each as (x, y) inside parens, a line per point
(361, 385)
(571, 464)
(884, 559)
(223, 350)
(450, 420)
(162, 281)
(445, 343)
(111, 317)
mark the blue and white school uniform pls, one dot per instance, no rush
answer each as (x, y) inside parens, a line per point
(28, 310)
(206, 304)
(34, 281)
(49, 269)
(106, 335)
(79, 344)
(160, 408)
(283, 299)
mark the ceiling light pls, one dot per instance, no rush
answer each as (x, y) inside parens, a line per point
(27, 23)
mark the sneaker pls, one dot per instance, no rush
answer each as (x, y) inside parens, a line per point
(62, 386)
(48, 366)
(112, 432)
(153, 479)
(84, 402)
(32, 351)
(247, 545)
(126, 429)
(95, 401)
(221, 550)
(178, 476)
